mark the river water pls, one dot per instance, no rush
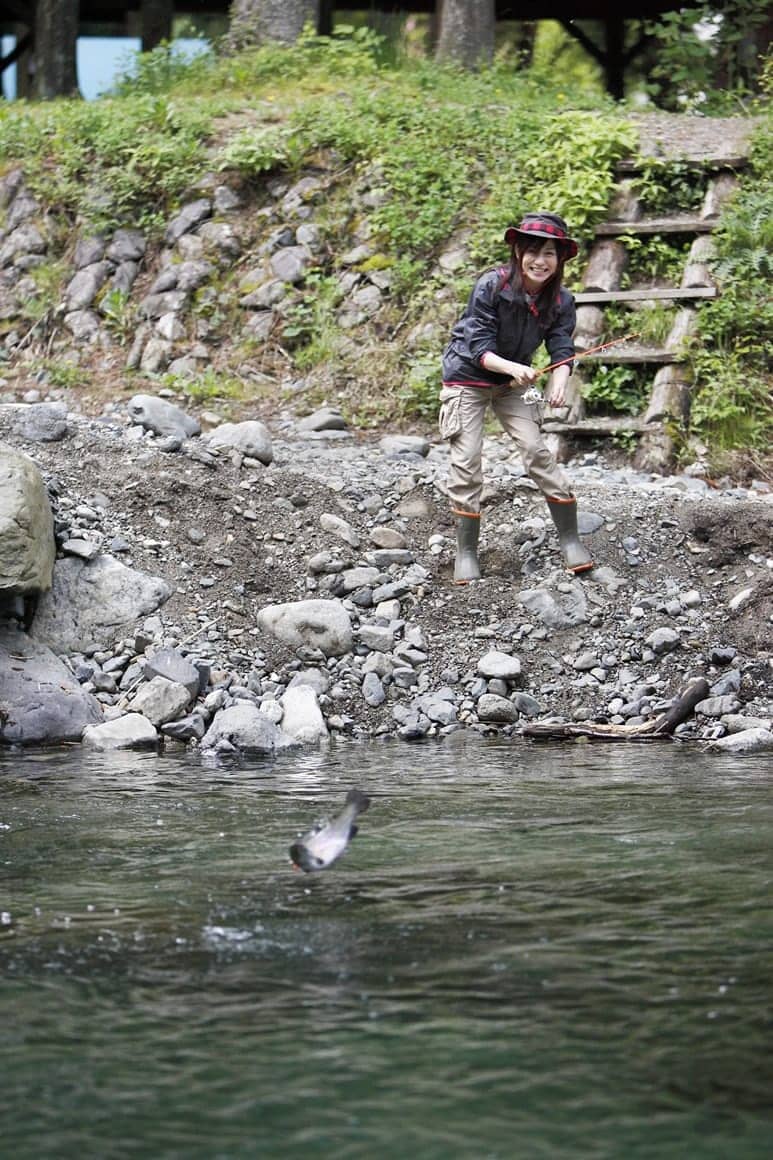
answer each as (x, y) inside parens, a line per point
(530, 950)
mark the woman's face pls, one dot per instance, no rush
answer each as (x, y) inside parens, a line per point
(539, 263)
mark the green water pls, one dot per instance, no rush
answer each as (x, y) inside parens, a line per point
(529, 951)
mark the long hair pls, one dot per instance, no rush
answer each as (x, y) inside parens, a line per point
(547, 300)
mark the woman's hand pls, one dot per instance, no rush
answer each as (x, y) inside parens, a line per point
(522, 375)
(556, 393)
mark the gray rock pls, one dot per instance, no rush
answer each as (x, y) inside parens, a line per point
(251, 437)
(291, 264)
(219, 236)
(169, 301)
(399, 445)
(737, 723)
(718, 706)
(384, 537)
(155, 358)
(243, 728)
(132, 731)
(27, 239)
(259, 325)
(373, 690)
(187, 219)
(161, 417)
(555, 608)
(173, 666)
(663, 640)
(91, 604)
(161, 700)
(88, 251)
(376, 637)
(35, 422)
(317, 679)
(83, 549)
(499, 664)
(41, 702)
(83, 325)
(190, 728)
(302, 718)
(341, 528)
(27, 545)
(128, 245)
(748, 741)
(325, 419)
(317, 624)
(497, 710)
(85, 285)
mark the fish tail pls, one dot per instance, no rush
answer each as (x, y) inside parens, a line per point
(359, 799)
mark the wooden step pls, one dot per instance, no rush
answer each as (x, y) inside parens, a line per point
(631, 165)
(596, 297)
(679, 224)
(632, 354)
(601, 425)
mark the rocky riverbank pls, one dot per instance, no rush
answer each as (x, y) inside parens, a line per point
(243, 587)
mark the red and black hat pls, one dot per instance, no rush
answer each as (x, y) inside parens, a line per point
(543, 225)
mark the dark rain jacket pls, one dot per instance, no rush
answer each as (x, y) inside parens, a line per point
(503, 323)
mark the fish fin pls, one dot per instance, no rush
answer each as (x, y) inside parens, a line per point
(359, 799)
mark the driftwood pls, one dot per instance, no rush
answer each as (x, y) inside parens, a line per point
(658, 729)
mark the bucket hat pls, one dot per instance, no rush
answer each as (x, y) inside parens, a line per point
(543, 225)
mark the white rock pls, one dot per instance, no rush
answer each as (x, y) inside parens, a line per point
(130, 732)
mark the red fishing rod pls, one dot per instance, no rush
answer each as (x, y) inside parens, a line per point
(590, 350)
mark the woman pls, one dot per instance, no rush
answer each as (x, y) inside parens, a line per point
(510, 312)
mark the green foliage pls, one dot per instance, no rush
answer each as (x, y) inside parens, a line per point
(703, 59)
(210, 384)
(666, 187)
(63, 375)
(622, 389)
(260, 150)
(310, 330)
(118, 313)
(653, 259)
(160, 70)
(419, 393)
(733, 400)
(108, 161)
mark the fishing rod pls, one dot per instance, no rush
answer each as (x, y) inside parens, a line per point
(590, 350)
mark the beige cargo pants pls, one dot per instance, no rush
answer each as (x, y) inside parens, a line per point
(462, 411)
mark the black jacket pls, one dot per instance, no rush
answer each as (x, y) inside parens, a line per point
(503, 323)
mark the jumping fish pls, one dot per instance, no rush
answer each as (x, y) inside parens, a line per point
(326, 841)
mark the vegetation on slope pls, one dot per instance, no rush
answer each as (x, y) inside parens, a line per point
(454, 153)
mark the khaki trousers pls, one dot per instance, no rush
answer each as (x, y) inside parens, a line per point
(462, 411)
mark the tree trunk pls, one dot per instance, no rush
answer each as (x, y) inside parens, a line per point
(56, 33)
(258, 21)
(156, 22)
(467, 32)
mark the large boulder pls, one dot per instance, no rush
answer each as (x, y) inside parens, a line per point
(27, 545)
(41, 703)
(242, 728)
(92, 602)
(324, 625)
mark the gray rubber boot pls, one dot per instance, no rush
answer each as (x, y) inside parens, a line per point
(466, 566)
(576, 556)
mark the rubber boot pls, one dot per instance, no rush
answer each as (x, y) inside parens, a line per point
(577, 558)
(466, 566)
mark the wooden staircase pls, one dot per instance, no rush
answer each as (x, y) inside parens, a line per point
(668, 405)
